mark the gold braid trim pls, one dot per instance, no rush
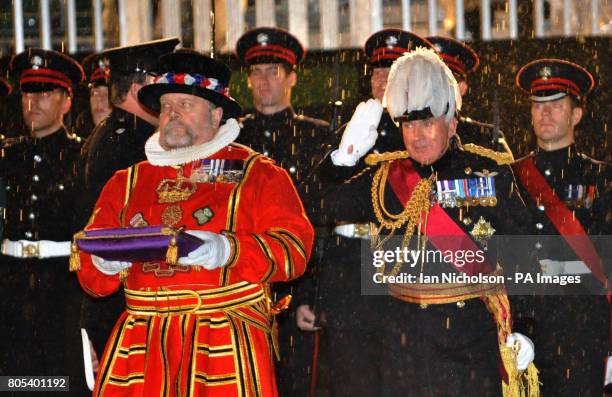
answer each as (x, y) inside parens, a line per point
(375, 158)
(520, 383)
(413, 215)
(499, 157)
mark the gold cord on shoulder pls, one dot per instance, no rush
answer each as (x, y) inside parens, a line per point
(499, 157)
(375, 158)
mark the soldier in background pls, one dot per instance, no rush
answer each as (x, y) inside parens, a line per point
(98, 107)
(115, 144)
(40, 298)
(275, 129)
(297, 143)
(5, 90)
(462, 61)
(570, 196)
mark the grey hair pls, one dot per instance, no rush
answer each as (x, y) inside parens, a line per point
(420, 79)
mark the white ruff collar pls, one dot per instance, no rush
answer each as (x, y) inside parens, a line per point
(157, 155)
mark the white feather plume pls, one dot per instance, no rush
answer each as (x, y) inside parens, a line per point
(420, 79)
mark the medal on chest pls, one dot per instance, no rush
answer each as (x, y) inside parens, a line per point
(217, 170)
(579, 196)
(467, 192)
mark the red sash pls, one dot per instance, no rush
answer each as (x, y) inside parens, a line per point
(445, 234)
(442, 231)
(561, 217)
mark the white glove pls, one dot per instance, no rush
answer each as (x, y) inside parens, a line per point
(360, 134)
(212, 254)
(110, 268)
(525, 348)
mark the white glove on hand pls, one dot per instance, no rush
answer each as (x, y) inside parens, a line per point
(212, 254)
(110, 268)
(360, 134)
(526, 351)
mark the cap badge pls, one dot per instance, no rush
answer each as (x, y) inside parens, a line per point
(263, 39)
(36, 62)
(545, 73)
(391, 41)
(103, 63)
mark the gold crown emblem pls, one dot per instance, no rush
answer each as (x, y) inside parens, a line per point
(175, 190)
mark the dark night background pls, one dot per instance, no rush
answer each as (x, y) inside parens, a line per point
(327, 76)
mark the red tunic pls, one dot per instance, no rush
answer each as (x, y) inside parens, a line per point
(172, 341)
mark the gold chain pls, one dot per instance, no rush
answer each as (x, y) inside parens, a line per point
(416, 210)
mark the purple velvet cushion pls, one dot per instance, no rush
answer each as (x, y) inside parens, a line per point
(136, 244)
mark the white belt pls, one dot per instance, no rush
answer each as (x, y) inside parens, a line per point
(354, 230)
(35, 249)
(554, 268)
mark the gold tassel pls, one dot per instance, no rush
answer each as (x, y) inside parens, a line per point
(123, 274)
(74, 263)
(523, 384)
(512, 388)
(533, 382)
(172, 253)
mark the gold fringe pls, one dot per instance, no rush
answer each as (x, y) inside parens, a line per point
(74, 263)
(123, 274)
(520, 384)
(281, 305)
(499, 157)
(533, 383)
(172, 253)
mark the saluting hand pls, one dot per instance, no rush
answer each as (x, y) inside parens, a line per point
(360, 134)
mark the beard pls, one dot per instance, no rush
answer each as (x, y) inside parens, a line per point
(176, 134)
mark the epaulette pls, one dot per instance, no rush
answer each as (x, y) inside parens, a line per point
(74, 137)
(248, 116)
(8, 142)
(312, 120)
(530, 154)
(375, 158)
(592, 160)
(476, 122)
(499, 157)
(245, 118)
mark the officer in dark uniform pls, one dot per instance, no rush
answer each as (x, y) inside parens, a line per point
(570, 197)
(274, 128)
(98, 107)
(115, 144)
(40, 297)
(119, 141)
(297, 143)
(5, 90)
(462, 61)
(436, 340)
(350, 322)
